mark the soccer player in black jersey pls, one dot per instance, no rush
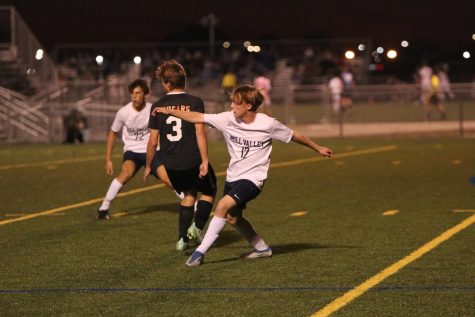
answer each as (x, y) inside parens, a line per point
(184, 149)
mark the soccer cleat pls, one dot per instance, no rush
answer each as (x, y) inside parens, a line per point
(254, 254)
(196, 259)
(103, 214)
(181, 245)
(195, 233)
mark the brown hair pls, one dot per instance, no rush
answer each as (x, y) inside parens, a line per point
(171, 72)
(247, 94)
(139, 83)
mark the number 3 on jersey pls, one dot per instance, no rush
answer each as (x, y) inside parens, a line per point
(176, 127)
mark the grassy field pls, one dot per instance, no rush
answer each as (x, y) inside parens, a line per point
(337, 226)
(376, 112)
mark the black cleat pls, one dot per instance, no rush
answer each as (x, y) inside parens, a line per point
(103, 214)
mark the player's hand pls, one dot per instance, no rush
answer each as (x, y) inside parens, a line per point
(146, 173)
(109, 168)
(325, 151)
(203, 169)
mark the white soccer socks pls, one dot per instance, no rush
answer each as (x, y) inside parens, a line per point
(112, 192)
(214, 228)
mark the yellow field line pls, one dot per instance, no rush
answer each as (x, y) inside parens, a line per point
(376, 279)
(145, 189)
(57, 162)
(347, 154)
(390, 212)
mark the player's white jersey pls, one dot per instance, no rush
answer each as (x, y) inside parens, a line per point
(134, 125)
(425, 74)
(249, 145)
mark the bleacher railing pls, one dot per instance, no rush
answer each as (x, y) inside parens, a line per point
(21, 46)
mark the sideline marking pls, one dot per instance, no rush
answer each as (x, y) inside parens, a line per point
(464, 210)
(390, 212)
(298, 214)
(145, 189)
(341, 301)
(235, 289)
(119, 214)
(23, 214)
(52, 163)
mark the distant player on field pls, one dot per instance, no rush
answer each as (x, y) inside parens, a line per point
(133, 120)
(263, 83)
(184, 150)
(248, 136)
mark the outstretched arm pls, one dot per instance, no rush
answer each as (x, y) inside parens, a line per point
(190, 116)
(110, 146)
(304, 140)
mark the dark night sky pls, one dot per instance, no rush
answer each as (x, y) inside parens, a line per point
(446, 25)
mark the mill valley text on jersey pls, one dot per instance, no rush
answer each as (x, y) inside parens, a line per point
(249, 143)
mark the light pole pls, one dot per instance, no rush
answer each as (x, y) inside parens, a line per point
(210, 21)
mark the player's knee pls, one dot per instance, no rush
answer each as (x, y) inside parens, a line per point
(125, 176)
(208, 198)
(221, 210)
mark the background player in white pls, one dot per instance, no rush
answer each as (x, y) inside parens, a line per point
(133, 120)
(336, 88)
(263, 83)
(424, 76)
(248, 136)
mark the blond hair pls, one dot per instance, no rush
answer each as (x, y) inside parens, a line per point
(247, 94)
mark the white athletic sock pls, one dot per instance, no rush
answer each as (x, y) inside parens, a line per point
(112, 192)
(259, 244)
(214, 228)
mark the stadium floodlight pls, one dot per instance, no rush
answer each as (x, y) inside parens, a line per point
(257, 48)
(39, 54)
(391, 54)
(380, 50)
(99, 59)
(250, 48)
(349, 54)
(404, 43)
(466, 54)
(247, 44)
(361, 47)
(473, 36)
(137, 60)
(226, 44)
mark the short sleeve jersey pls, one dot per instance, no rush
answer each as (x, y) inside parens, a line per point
(178, 143)
(134, 125)
(249, 145)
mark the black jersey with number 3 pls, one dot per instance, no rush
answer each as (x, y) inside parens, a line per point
(178, 143)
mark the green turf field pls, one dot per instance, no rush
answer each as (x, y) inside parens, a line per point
(376, 112)
(335, 250)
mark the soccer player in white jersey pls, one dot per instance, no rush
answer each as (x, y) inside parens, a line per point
(248, 136)
(133, 119)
